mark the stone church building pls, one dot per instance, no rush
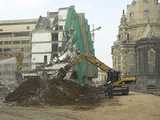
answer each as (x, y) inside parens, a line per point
(137, 48)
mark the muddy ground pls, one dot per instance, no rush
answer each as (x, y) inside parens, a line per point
(136, 106)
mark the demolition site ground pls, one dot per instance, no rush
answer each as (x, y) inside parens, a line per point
(135, 106)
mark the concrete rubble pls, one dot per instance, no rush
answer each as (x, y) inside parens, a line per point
(5, 89)
(55, 91)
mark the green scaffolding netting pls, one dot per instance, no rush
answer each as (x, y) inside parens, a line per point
(82, 41)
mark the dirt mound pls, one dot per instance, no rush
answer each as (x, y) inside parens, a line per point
(62, 92)
(54, 91)
(24, 92)
(58, 92)
(32, 92)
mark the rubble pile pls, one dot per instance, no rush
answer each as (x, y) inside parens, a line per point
(4, 90)
(53, 91)
(31, 92)
(26, 91)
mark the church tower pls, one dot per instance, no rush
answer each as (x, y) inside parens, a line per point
(139, 28)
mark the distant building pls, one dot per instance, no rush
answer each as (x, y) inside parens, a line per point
(8, 72)
(101, 79)
(17, 34)
(136, 51)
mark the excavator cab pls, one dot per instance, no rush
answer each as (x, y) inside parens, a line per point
(117, 85)
(113, 75)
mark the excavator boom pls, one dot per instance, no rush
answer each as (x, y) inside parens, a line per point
(93, 60)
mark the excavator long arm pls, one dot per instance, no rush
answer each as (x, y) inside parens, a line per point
(93, 60)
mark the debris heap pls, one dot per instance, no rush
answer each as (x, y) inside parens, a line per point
(4, 90)
(57, 90)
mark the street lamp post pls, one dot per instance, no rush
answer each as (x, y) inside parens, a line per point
(93, 30)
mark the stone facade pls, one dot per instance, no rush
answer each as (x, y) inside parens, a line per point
(136, 50)
(148, 61)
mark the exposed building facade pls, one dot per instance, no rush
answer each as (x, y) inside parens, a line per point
(47, 37)
(136, 50)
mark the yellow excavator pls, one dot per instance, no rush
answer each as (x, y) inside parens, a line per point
(120, 82)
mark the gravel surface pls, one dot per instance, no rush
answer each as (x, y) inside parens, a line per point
(135, 106)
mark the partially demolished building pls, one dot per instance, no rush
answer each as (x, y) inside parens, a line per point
(43, 39)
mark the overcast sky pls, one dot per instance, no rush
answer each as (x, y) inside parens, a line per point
(104, 13)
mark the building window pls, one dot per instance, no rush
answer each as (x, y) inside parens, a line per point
(56, 27)
(5, 42)
(45, 59)
(7, 49)
(18, 34)
(16, 42)
(60, 27)
(28, 27)
(146, 12)
(55, 47)
(1, 29)
(151, 60)
(5, 35)
(55, 37)
(131, 14)
(25, 41)
(127, 36)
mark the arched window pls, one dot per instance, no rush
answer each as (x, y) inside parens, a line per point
(151, 60)
(131, 14)
(146, 13)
